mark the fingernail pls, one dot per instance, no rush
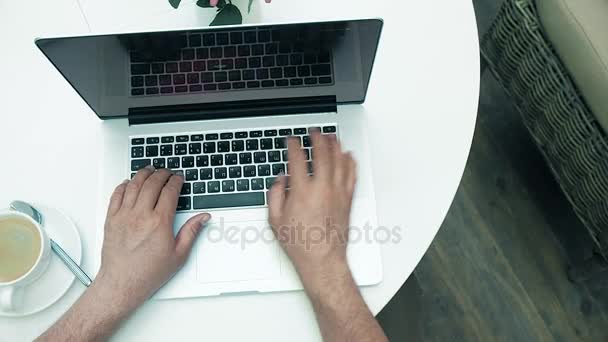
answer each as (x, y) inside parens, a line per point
(125, 181)
(150, 167)
(205, 218)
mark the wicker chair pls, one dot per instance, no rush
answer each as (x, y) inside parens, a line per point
(517, 51)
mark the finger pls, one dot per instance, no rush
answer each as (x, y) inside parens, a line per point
(213, 3)
(340, 165)
(135, 186)
(148, 196)
(117, 197)
(322, 162)
(167, 201)
(187, 235)
(276, 199)
(351, 174)
(298, 170)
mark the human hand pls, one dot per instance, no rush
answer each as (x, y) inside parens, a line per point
(140, 252)
(311, 220)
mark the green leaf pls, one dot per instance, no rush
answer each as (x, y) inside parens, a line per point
(229, 15)
(249, 7)
(174, 3)
(203, 4)
(221, 4)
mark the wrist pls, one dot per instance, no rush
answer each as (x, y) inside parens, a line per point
(319, 280)
(107, 289)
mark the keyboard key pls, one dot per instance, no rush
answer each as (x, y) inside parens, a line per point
(167, 140)
(211, 136)
(310, 80)
(310, 58)
(270, 133)
(249, 171)
(242, 185)
(244, 199)
(268, 61)
(274, 156)
(248, 75)
(300, 131)
(206, 173)
(238, 145)
(238, 85)
(267, 83)
(228, 186)
(282, 60)
(278, 168)
(137, 141)
(227, 135)
(236, 38)
(213, 187)
(173, 163)
(202, 161)
(250, 37)
(245, 158)
(251, 144)
(140, 69)
(234, 75)
(216, 52)
(186, 189)
(137, 81)
(152, 91)
(257, 49)
(183, 203)
(222, 38)
(255, 62)
(202, 53)
(230, 51)
(280, 143)
(220, 173)
(240, 63)
(152, 151)
(137, 152)
(325, 80)
(181, 149)
(259, 157)
(296, 81)
(235, 172)
(196, 137)
(231, 159)
(329, 129)
(224, 86)
(210, 87)
(271, 48)
(306, 141)
(281, 83)
(206, 77)
(166, 90)
(255, 134)
(223, 146)
(194, 40)
(244, 51)
(181, 89)
(209, 147)
(187, 162)
(266, 144)
(240, 135)
(217, 160)
(321, 69)
(253, 84)
(264, 170)
(187, 55)
(198, 188)
(296, 59)
(182, 138)
(194, 148)
(185, 66)
(285, 131)
(269, 182)
(193, 78)
(158, 163)
(221, 76)
(213, 65)
(303, 71)
(257, 184)
(191, 174)
(263, 36)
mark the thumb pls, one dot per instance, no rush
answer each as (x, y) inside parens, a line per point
(188, 233)
(276, 199)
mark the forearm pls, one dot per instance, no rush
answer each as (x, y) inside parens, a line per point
(94, 317)
(341, 311)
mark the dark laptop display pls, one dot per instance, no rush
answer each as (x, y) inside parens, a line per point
(116, 74)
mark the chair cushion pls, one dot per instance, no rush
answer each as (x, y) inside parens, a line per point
(578, 30)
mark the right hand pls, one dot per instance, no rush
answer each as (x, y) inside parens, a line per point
(311, 220)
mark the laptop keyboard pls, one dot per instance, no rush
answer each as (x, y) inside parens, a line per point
(232, 60)
(226, 169)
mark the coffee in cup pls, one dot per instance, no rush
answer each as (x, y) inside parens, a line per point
(24, 256)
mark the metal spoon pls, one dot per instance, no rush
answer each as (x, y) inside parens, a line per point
(27, 209)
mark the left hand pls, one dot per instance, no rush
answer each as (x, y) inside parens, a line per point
(140, 252)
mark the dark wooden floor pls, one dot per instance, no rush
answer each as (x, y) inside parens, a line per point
(496, 271)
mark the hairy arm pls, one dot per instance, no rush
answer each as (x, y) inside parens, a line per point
(320, 205)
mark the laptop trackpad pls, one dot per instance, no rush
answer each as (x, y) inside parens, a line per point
(237, 251)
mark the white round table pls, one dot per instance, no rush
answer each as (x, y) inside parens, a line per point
(421, 108)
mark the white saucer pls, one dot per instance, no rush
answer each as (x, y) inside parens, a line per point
(57, 279)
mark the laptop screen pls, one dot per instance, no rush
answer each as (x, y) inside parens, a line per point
(118, 73)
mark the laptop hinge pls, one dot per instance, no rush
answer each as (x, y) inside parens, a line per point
(234, 109)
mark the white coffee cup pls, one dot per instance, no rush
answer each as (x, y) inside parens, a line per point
(11, 292)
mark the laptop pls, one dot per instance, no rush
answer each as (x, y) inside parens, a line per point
(217, 104)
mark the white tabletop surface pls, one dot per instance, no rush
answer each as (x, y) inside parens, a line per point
(421, 107)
